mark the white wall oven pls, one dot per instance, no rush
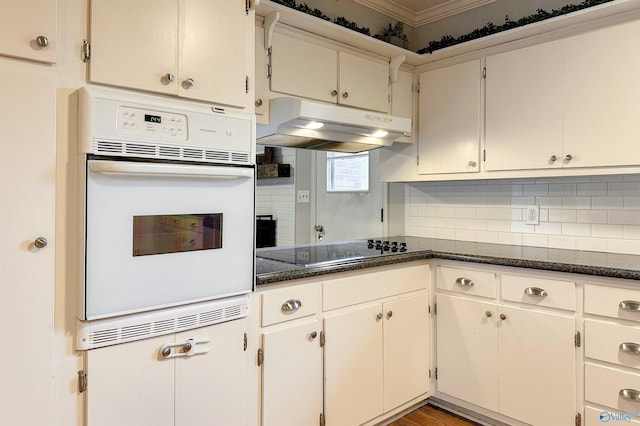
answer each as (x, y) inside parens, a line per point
(167, 197)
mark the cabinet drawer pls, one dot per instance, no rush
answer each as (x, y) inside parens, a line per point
(466, 281)
(539, 291)
(365, 287)
(603, 385)
(596, 417)
(290, 303)
(608, 301)
(612, 343)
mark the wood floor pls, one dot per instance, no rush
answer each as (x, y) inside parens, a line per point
(431, 416)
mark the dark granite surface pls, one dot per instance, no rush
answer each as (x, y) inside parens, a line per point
(574, 261)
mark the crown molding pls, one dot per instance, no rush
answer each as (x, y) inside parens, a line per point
(397, 11)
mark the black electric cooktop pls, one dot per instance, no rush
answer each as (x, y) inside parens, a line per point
(328, 253)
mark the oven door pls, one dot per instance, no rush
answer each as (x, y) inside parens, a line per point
(161, 234)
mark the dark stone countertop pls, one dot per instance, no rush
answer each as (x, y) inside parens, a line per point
(610, 265)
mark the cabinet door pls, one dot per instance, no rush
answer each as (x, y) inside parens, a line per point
(130, 384)
(22, 22)
(353, 366)
(449, 111)
(214, 51)
(210, 388)
(302, 68)
(134, 44)
(292, 375)
(363, 83)
(467, 350)
(406, 350)
(27, 166)
(262, 94)
(524, 108)
(536, 356)
(601, 86)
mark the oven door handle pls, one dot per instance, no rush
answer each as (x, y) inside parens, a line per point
(179, 170)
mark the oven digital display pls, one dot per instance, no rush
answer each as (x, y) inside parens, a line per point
(152, 118)
(160, 234)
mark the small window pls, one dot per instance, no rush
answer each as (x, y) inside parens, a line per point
(347, 172)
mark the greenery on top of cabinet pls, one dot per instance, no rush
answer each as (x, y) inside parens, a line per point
(340, 20)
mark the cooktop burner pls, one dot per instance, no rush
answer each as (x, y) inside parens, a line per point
(319, 254)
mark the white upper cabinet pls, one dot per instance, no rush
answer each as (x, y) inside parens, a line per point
(310, 69)
(523, 108)
(28, 29)
(402, 101)
(601, 69)
(449, 119)
(196, 49)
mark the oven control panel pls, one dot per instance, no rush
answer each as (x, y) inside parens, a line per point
(154, 124)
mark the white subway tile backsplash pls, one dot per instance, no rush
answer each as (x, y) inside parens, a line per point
(599, 213)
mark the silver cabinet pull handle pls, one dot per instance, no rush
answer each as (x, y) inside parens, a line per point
(503, 317)
(630, 305)
(40, 242)
(535, 291)
(553, 158)
(472, 163)
(167, 78)
(291, 305)
(42, 41)
(389, 314)
(188, 83)
(488, 314)
(630, 394)
(464, 282)
(633, 348)
(187, 348)
(334, 93)
(568, 157)
(379, 316)
(313, 335)
(345, 95)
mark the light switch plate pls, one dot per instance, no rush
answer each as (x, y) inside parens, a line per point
(302, 196)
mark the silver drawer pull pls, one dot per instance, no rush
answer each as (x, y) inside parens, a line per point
(630, 305)
(291, 305)
(464, 282)
(634, 348)
(535, 291)
(630, 394)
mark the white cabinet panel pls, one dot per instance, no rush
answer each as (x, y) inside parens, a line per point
(523, 108)
(406, 350)
(603, 386)
(27, 211)
(292, 375)
(402, 102)
(467, 350)
(614, 343)
(303, 68)
(363, 83)
(22, 22)
(466, 281)
(449, 114)
(536, 366)
(539, 291)
(601, 85)
(608, 301)
(353, 366)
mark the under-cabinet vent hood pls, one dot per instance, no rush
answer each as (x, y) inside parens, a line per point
(299, 123)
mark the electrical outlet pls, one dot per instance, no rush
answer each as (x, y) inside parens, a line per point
(532, 215)
(303, 196)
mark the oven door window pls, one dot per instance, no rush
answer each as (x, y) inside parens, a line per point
(160, 234)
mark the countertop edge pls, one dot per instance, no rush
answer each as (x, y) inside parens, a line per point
(294, 274)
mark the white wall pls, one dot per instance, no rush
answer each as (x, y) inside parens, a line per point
(277, 197)
(595, 213)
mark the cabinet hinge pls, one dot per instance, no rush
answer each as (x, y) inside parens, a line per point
(577, 339)
(381, 215)
(429, 373)
(322, 337)
(245, 341)
(484, 72)
(418, 87)
(578, 419)
(417, 160)
(246, 84)
(436, 375)
(484, 155)
(246, 7)
(429, 311)
(322, 420)
(85, 51)
(269, 63)
(82, 381)
(260, 357)
(435, 312)
(389, 99)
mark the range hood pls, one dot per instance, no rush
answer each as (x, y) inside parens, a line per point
(300, 123)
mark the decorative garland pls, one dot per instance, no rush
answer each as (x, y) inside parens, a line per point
(448, 40)
(490, 28)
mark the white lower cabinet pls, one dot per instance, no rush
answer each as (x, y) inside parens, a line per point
(132, 384)
(514, 360)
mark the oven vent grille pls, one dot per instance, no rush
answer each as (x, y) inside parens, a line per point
(111, 332)
(169, 152)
